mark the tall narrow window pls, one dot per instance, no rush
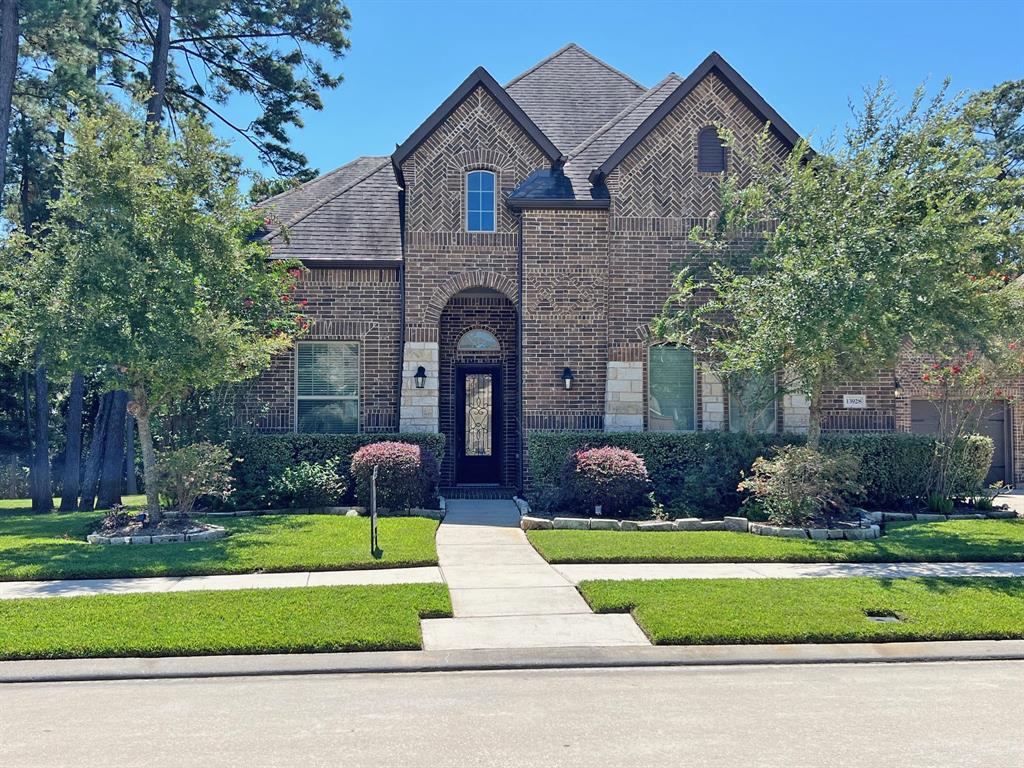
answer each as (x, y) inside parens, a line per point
(752, 405)
(671, 394)
(480, 212)
(327, 386)
(710, 151)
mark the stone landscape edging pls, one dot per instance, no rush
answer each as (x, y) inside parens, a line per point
(343, 511)
(211, 533)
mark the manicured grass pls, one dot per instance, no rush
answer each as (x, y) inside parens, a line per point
(314, 619)
(53, 546)
(953, 540)
(727, 611)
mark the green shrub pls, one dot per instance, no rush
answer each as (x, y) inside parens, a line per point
(261, 458)
(801, 486)
(614, 478)
(310, 484)
(187, 474)
(702, 469)
(407, 474)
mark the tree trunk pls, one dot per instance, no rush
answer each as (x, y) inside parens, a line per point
(92, 463)
(113, 453)
(148, 465)
(42, 490)
(158, 67)
(73, 451)
(9, 33)
(814, 415)
(131, 485)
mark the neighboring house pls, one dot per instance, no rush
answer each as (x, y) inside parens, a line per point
(496, 275)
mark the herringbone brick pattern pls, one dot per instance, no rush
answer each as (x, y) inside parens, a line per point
(660, 177)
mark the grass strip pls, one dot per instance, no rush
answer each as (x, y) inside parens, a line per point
(950, 541)
(251, 621)
(731, 611)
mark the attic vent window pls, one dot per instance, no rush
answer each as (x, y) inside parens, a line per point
(480, 212)
(710, 151)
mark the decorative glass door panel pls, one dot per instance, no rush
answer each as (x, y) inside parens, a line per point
(478, 424)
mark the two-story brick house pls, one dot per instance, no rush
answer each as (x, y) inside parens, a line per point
(497, 273)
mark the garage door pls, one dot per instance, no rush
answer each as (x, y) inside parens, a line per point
(991, 421)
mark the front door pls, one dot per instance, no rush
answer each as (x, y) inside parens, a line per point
(477, 424)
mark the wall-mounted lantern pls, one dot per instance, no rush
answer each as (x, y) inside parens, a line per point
(420, 377)
(897, 388)
(567, 377)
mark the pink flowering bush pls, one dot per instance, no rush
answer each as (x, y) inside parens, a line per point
(615, 478)
(407, 474)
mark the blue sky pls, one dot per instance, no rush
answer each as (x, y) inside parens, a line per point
(807, 59)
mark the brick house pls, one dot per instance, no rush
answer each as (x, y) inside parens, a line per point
(496, 274)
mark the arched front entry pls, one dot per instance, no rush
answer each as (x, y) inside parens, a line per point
(479, 389)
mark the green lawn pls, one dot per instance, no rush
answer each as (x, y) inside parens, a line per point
(727, 611)
(953, 540)
(314, 619)
(52, 546)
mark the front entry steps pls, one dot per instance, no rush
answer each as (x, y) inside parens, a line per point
(504, 595)
(477, 492)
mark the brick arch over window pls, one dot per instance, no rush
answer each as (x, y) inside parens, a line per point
(464, 281)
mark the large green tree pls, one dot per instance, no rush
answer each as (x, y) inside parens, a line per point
(822, 265)
(148, 271)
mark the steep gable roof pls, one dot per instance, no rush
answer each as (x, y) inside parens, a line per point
(479, 78)
(572, 93)
(716, 64)
(349, 215)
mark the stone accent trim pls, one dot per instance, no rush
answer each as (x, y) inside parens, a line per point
(624, 397)
(420, 410)
(713, 402)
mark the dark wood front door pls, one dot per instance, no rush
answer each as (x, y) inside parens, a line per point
(478, 424)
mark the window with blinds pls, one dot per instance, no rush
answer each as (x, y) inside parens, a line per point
(327, 386)
(671, 394)
(710, 151)
(752, 405)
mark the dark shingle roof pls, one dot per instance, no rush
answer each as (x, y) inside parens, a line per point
(596, 148)
(350, 214)
(571, 94)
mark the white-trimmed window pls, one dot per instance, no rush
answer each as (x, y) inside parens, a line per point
(327, 386)
(752, 405)
(671, 389)
(481, 212)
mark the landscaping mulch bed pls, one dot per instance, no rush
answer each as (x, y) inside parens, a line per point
(137, 527)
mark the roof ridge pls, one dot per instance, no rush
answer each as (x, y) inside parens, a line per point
(585, 52)
(386, 160)
(579, 148)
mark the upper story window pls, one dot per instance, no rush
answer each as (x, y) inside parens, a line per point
(671, 390)
(327, 386)
(479, 340)
(710, 151)
(752, 404)
(480, 199)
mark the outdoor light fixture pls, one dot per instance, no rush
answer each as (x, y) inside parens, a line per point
(897, 389)
(420, 377)
(567, 377)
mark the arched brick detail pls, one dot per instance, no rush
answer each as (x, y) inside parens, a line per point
(464, 281)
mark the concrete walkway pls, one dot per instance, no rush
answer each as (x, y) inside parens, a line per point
(622, 571)
(10, 590)
(504, 595)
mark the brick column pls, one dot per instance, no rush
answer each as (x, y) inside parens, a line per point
(624, 397)
(420, 410)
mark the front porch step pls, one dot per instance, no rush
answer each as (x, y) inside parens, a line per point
(478, 492)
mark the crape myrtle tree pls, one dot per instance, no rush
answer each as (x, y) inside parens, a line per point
(148, 271)
(823, 264)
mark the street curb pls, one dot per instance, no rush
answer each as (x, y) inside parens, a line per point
(80, 670)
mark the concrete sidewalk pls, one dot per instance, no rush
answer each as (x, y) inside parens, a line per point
(10, 590)
(505, 595)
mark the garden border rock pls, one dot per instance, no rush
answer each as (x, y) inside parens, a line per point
(210, 533)
(343, 511)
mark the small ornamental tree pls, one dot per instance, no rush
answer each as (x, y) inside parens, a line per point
(149, 273)
(820, 266)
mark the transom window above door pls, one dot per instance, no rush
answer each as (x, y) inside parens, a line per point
(480, 201)
(479, 340)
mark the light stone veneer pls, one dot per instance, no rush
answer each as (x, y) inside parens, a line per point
(420, 410)
(624, 397)
(712, 392)
(796, 412)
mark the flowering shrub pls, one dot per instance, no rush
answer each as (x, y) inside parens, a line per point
(310, 484)
(801, 486)
(615, 478)
(407, 474)
(186, 474)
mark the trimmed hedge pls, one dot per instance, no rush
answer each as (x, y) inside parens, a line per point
(260, 458)
(702, 469)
